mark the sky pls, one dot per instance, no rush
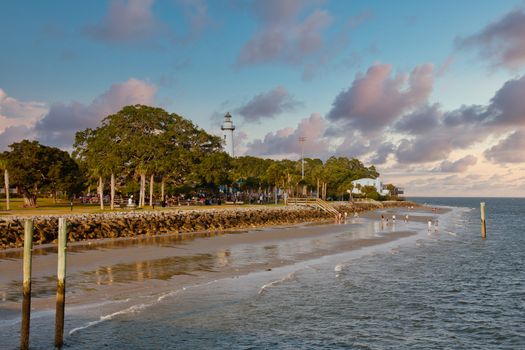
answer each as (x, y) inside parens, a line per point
(431, 93)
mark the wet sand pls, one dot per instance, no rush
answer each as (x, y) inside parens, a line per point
(119, 269)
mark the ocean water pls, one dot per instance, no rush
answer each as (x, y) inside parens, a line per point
(440, 289)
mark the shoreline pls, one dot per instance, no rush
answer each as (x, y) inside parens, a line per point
(96, 273)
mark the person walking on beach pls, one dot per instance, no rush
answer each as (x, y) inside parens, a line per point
(429, 225)
(406, 218)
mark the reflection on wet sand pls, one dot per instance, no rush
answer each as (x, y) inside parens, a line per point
(165, 257)
(119, 243)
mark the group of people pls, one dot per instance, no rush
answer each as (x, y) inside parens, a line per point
(386, 220)
(341, 218)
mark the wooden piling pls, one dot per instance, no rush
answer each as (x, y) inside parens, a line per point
(26, 302)
(61, 283)
(483, 224)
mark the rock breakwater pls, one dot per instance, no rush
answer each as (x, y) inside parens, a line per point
(150, 223)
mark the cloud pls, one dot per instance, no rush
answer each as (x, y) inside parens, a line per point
(382, 152)
(133, 22)
(14, 134)
(353, 145)
(439, 142)
(239, 141)
(381, 115)
(284, 33)
(508, 150)
(376, 99)
(14, 112)
(458, 166)
(285, 142)
(268, 105)
(17, 119)
(126, 22)
(419, 121)
(431, 134)
(507, 107)
(59, 125)
(500, 42)
(422, 150)
(300, 33)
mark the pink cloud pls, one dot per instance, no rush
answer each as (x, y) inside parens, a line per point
(283, 34)
(376, 99)
(285, 142)
(58, 127)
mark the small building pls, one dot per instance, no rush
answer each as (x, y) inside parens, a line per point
(377, 183)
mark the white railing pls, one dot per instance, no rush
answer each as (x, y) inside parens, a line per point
(314, 203)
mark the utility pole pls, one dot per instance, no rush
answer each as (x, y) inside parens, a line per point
(302, 139)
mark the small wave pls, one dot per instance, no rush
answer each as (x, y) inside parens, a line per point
(175, 292)
(169, 294)
(288, 277)
(129, 310)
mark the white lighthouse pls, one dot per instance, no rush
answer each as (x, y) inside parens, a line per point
(227, 127)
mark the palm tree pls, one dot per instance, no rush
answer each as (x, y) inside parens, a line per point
(3, 165)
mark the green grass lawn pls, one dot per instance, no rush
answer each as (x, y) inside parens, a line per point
(46, 206)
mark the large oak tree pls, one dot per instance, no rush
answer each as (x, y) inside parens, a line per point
(142, 140)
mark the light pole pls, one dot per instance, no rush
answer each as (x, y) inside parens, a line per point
(302, 139)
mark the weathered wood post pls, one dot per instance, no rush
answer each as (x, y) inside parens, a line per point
(483, 224)
(26, 303)
(61, 283)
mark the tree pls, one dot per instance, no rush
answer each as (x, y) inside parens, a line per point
(98, 151)
(370, 192)
(340, 171)
(142, 140)
(252, 171)
(214, 169)
(3, 165)
(37, 168)
(393, 191)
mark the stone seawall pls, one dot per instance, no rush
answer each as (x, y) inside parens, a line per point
(131, 224)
